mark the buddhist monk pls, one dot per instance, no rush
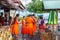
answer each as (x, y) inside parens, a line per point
(24, 28)
(34, 23)
(29, 24)
(15, 25)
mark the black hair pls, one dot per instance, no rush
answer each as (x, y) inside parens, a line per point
(23, 16)
(46, 24)
(41, 17)
(28, 15)
(10, 17)
(17, 15)
(1, 13)
(33, 15)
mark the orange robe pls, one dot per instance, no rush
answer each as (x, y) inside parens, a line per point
(24, 28)
(11, 26)
(15, 27)
(34, 24)
(29, 24)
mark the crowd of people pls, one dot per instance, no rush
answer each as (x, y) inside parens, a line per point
(29, 25)
(3, 19)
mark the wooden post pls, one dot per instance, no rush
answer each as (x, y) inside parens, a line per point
(57, 13)
(57, 22)
(53, 20)
(57, 16)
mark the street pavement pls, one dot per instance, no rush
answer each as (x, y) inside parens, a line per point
(35, 37)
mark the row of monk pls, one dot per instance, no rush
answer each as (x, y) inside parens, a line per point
(28, 25)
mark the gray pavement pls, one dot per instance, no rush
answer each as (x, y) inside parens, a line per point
(35, 37)
(56, 35)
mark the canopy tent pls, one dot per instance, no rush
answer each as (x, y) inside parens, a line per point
(51, 0)
(51, 4)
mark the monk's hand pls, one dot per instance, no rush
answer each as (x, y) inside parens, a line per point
(26, 24)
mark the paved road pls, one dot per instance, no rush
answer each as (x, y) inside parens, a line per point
(56, 35)
(35, 37)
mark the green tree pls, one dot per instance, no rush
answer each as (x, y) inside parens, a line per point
(35, 6)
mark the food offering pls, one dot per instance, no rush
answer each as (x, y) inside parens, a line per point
(5, 33)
